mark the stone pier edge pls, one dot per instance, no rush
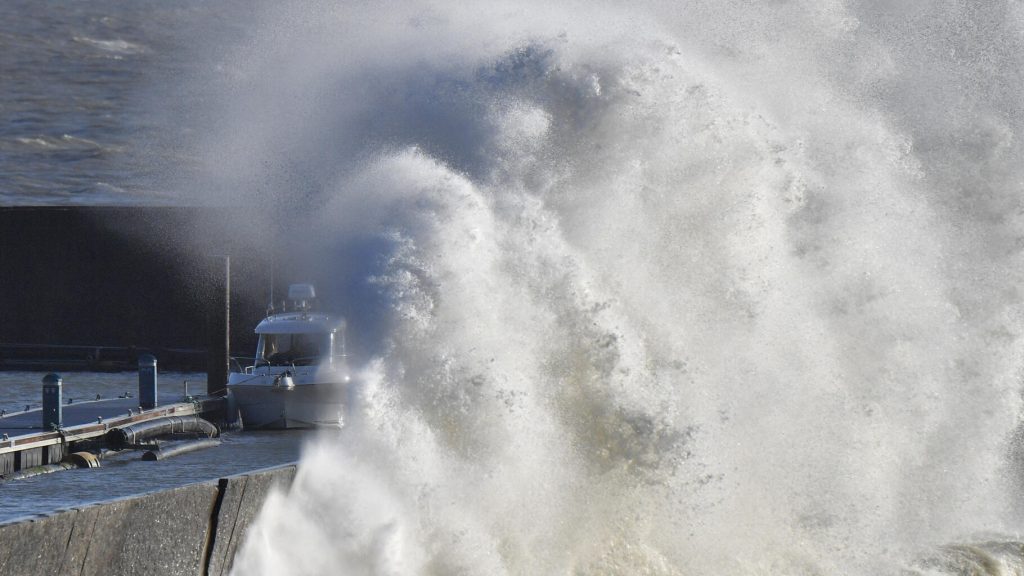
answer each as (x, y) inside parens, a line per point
(189, 530)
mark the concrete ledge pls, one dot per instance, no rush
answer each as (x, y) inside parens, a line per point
(242, 498)
(161, 533)
(193, 529)
(36, 546)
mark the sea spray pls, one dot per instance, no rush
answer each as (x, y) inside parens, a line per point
(715, 288)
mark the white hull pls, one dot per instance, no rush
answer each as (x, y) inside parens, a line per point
(304, 406)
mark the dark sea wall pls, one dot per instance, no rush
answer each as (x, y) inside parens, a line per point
(122, 276)
(191, 530)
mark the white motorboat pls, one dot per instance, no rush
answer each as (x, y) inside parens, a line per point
(299, 377)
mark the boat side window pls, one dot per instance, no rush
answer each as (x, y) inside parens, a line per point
(264, 350)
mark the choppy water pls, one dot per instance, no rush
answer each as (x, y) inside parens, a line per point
(91, 96)
(663, 287)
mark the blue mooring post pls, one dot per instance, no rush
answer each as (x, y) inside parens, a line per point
(147, 381)
(52, 413)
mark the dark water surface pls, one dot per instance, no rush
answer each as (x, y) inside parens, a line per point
(86, 90)
(21, 389)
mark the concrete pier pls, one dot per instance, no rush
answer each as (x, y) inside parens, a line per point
(191, 530)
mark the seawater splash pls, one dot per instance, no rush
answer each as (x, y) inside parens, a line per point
(713, 288)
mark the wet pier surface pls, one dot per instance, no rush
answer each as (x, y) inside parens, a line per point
(125, 473)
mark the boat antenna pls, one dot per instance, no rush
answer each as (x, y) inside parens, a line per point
(270, 307)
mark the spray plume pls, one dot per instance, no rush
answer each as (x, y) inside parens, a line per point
(672, 288)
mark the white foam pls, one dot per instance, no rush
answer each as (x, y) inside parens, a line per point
(703, 289)
(115, 46)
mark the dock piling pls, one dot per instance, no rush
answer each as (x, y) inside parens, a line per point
(218, 327)
(147, 381)
(52, 413)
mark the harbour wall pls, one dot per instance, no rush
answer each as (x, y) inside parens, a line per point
(190, 530)
(91, 287)
(119, 276)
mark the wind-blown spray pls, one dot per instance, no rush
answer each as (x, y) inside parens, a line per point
(711, 288)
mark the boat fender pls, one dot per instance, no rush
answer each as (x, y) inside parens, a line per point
(84, 459)
(119, 438)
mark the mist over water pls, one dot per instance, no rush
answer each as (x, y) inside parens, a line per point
(672, 288)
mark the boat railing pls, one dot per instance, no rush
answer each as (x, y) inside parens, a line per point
(243, 364)
(248, 365)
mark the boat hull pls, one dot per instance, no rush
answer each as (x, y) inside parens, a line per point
(303, 406)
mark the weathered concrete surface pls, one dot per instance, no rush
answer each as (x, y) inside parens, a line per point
(36, 546)
(182, 531)
(161, 533)
(243, 496)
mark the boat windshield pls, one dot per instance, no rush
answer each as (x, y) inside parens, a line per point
(293, 349)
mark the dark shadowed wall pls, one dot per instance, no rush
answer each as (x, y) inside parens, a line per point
(117, 276)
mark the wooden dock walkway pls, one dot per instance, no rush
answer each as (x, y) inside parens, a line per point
(25, 443)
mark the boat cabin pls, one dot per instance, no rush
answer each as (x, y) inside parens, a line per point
(300, 340)
(299, 336)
